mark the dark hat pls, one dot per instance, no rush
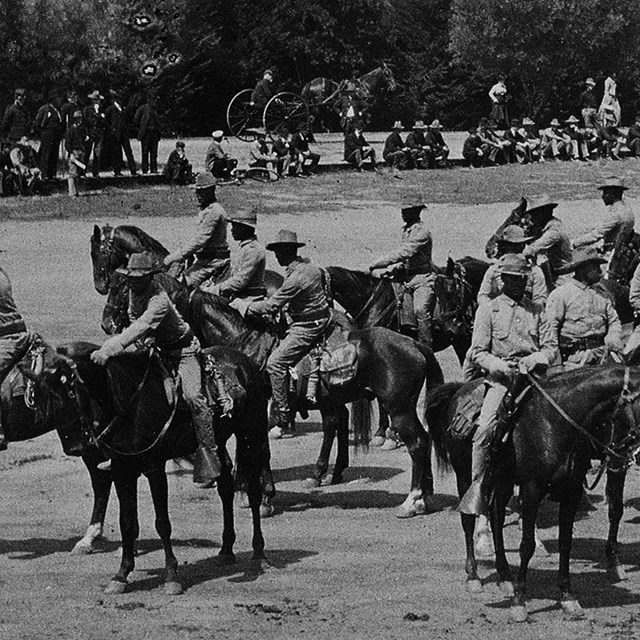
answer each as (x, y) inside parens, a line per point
(139, 264)
(513, 264)
(412, 200)
(205, 180)
(285, 238)
(543, 202)
(515, 122)
(248, 218)
(514, 234)
(613, 183)
(180, 144)
(436, 125)
(582, 255)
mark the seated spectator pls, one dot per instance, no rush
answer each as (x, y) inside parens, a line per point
(472, 149)
(491, 143)
(396, 152)
(593, 141)
(633, 137)
(532, 136)
(281, 147)
(357, 149)
(301, 154)
(419, 150)
(555, 144)
(178, 169)
(519, 151)
(578, 149)
(259, 154)
(439, 148)
(217, 160)
(25, 167)
(611, 140)
(7, 177)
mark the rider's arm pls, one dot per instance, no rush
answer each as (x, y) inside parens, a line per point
(613, 338)
(287, 292)
(634, 291)
(607, 223)
(410, 246)
(548, 239)
(539, 291)
(481, 341)
(250, 261)
(203, 232)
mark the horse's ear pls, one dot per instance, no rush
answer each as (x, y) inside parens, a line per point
(96, 232)
(450, 267)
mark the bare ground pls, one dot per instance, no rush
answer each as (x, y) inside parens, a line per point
(341, 564)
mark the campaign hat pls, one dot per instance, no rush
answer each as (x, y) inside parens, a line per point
(248, 218)
(436, 125)
(554, 123)
(513, 264)
(140, 264)
(205, 180)
(541, 203)
(285, 238)
(397, 126)
(412, 200)
(514, 234)
(613, 182)
(582, 255)
(419, 124)
(527, 121)
(572, 119)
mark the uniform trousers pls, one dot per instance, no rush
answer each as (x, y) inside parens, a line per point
(203, 269)
(421, 288)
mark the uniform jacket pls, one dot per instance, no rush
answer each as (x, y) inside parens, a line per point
(17, 122)
(414, 252)
(303, 290)
(147, 122)
(554, 243)
(247, 271)
(492, 285)
(94, 122)
(434, 139)
(48, 119)
(210, 236)
(616, 218)
(10, 318)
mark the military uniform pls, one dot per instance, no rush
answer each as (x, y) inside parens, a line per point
(414, 255)
(303, 292)
(491, 286)
(617, 218)
(634, 300)
(553, 245)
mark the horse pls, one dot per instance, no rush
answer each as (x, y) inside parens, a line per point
(563, 422)
(391, 367)
(126, 410)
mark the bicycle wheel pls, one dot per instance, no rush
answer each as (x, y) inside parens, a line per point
(261, 174)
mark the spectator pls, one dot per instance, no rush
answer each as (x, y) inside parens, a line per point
(396, 152)
(578, 149)
(555, 145)
(74, 144)
(472, 149)
(439, 148)
(610, 107)
(178, 169)
(491, 143)
(94, 123)
(300, 153)
(147, 123)
(117, 129)
(589, 103)
(69, 108)
(532, 136)
(259, 154)
(217, 160)
(419, 150)
(17, 119)
(7, 176)
(23, 158)
(281, 147)
(357, 149)
(348, 108)
(633, 137)
(48, 124)
(499, 97)
(263, 91)
(519, 151)
(611, 140)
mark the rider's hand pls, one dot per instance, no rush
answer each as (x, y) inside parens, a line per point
(107, 350)
(499, 368)
(533, 361)
(169, 259)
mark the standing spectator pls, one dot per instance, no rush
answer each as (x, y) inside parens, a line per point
(589, 103)
(259, 154)
(74, 144)
(300, 153)
(439, 148)
(282, 148)
(610, 107)
(48, 124)
(499, 97)
(17, 119)
(395, 151)
(217, 160)
(117, 129)
(94, 122)
(633, 137)
(419, 150)
(147, 123)
(472, 149)
(178, 169)
(357, 149)
(348, 107)
(263, 91)
(23, 158)
(69, 108)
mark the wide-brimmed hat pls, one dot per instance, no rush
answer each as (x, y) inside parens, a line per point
(514, 234)
(613, 182)
(419, 124)
(269, 71)
(543, 202)
(554, 123)
(248, 218)
(590, 81)
(513, 264)
(435, 124)
(581, 256)
(205, 180)
(285, 238)
(95, 95)
(527, 121)
(77, 114)
(572, 120)
(20, 92)
(218, 133)
(139, 264)
(412, 200)
(397, 126)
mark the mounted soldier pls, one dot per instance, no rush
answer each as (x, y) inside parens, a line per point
(154, 316)
(584, 324)
(208, 244)
(304, 295)
(510, 336)
(411, 263)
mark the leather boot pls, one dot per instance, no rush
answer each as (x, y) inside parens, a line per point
(207, 466)
(473, 502)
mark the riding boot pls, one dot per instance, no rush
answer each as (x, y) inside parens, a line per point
(425, 336)
(207, 466)
(474, 500)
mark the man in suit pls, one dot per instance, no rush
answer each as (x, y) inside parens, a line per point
(439, 148)
(263, 91)
(300, 153)
(357, 149)
(48, 124)
(348, 107)
(17, 118)
(147, 123)
(117, 127)
(396, 152)
(419, 150)
(94, 122)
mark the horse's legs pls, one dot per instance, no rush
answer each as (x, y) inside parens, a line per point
(254, 493)
(342, 456)
(473, 580)
(503, 492)
(126, 483)
(567, 514)
(225, 491)
(330, 425)
(160, 495)
(614, 491)
(101, 485)
(383, 424)
(482, 537)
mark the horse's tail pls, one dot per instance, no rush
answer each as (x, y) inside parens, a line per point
(361, 423)
(435, 414)
(432, 370)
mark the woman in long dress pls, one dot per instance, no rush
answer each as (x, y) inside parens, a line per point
(609, 111)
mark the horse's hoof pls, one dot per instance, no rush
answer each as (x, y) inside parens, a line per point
(173, 589)
(408, 512)
(572, 609)
(243, 501)
(518, 613)
(484, 545)
(226, 558)
(312, 483)
(377, 441)
(617, 573)
(266, 510)
(82, 549)
(275, 433)
(116, 587)
(507, 588)
(474, 586)
(389, 445)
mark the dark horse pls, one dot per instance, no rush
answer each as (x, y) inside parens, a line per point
(564, 422)
(126, 410)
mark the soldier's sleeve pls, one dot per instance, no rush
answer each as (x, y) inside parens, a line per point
(547, 240)
(539, 289)
(548, 339)
(409, 247)
(480, 351)
(287, 292)
(554, 315)
(634, 291)
(614, 328)
(141, 327)
(606, 225)
(249, 261)
(201, 235)
(486, 287)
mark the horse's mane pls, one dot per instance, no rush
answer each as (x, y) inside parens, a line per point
(139, 240)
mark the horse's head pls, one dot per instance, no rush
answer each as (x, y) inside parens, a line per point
(624, 439)
(115, 316)
(105, 257)
(387, 75)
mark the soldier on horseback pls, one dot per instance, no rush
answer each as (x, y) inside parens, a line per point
(154, 316)
(303, 291)
(509, 336)
(412, 264)
(208, 244)
(581, 318)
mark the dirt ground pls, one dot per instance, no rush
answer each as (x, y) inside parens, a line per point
(341, 564)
